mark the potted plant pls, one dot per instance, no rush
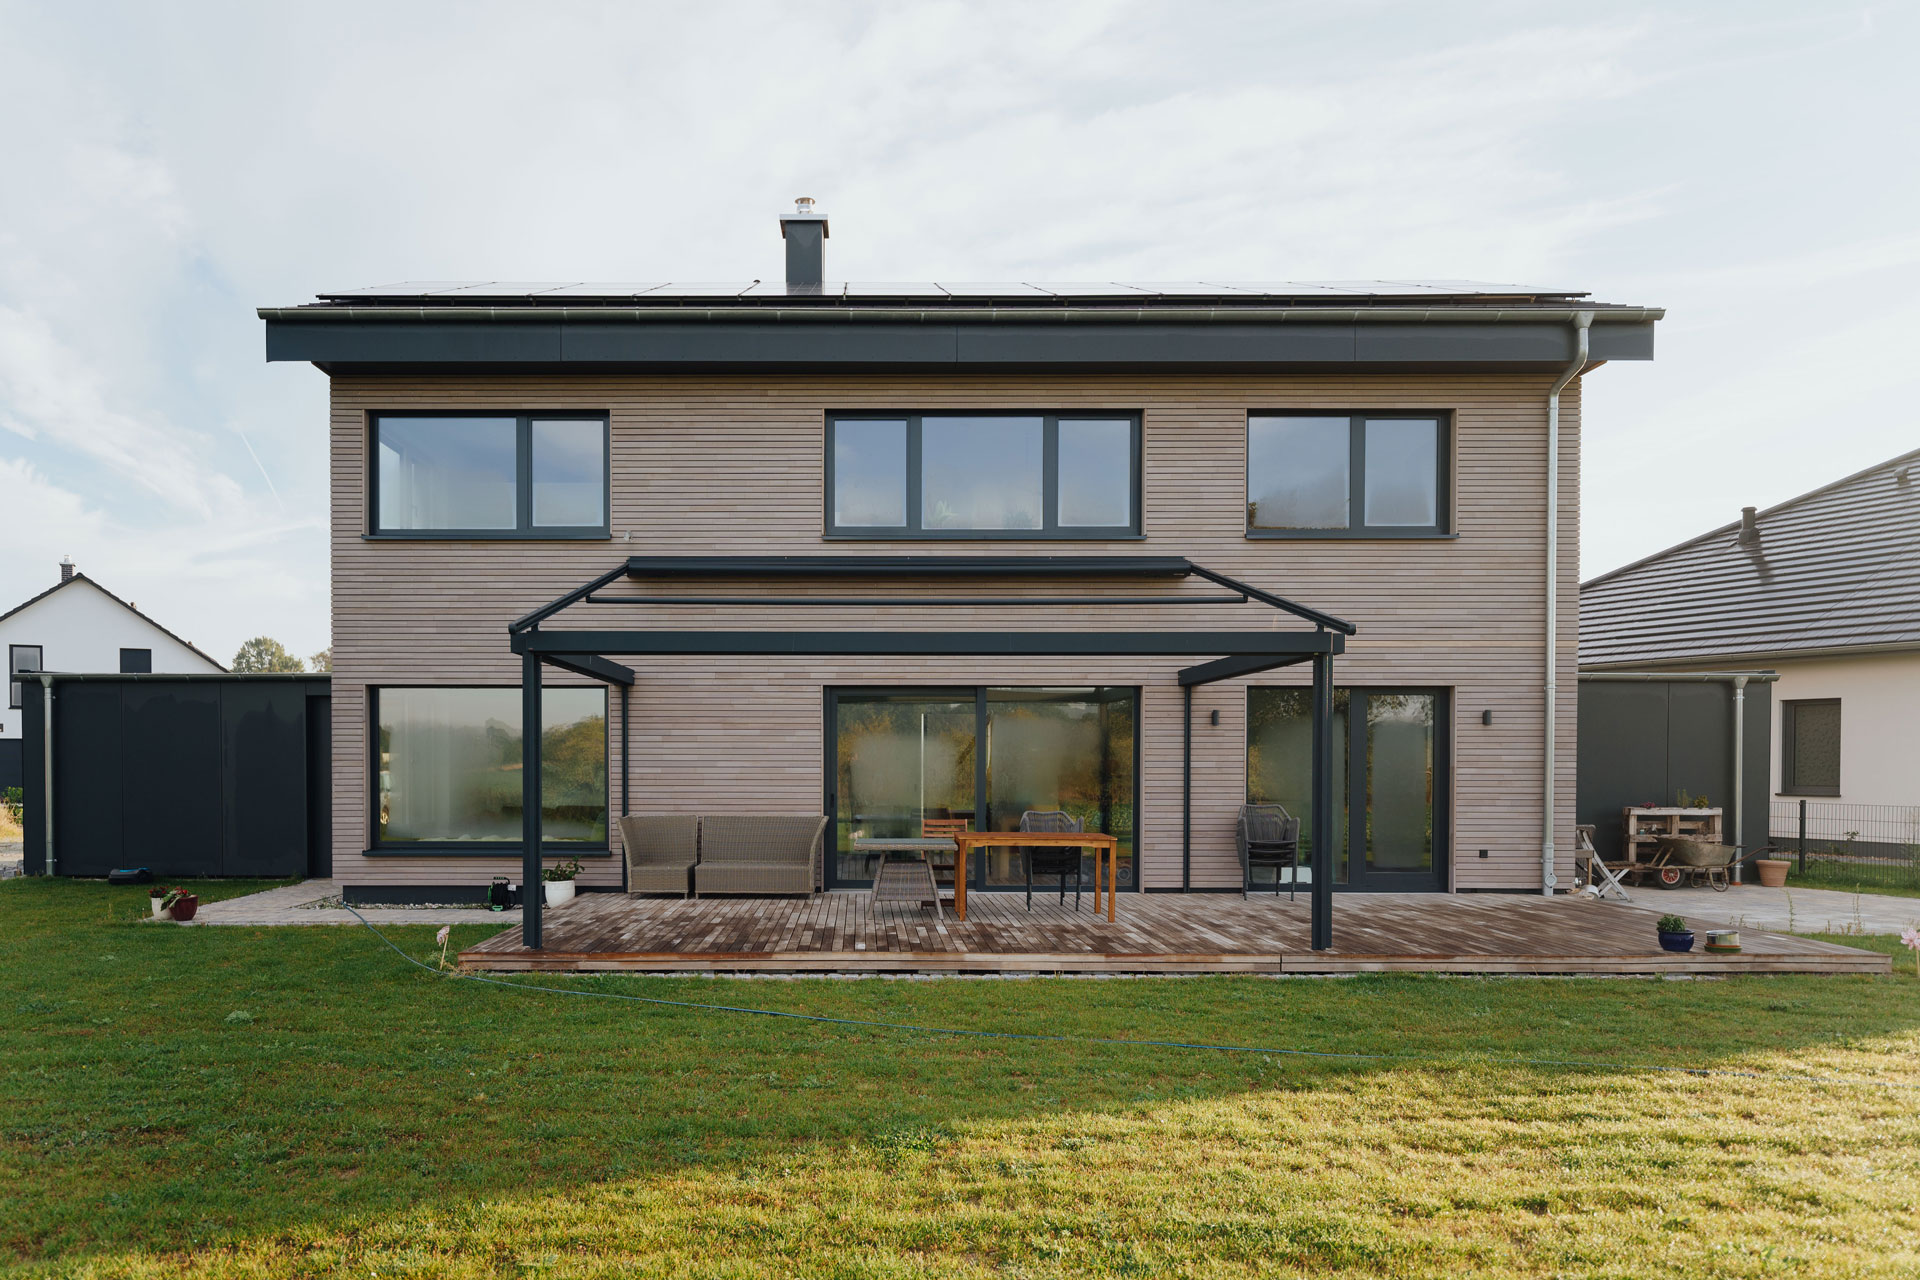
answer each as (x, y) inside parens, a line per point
(1674, 934)
(559, 880)
(179, 904)
(157, 901)
(1772, 871)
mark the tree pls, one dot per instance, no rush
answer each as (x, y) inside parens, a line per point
(264, 653)
(323, 660)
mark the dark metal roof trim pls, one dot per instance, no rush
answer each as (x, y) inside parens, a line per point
(907, 566)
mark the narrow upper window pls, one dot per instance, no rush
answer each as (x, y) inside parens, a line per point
(1346, 475)
(445, 475)
(983, 475)
(134, 662)
(1810, 747)
(21, 658)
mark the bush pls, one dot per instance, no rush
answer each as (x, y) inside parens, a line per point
(15, 801)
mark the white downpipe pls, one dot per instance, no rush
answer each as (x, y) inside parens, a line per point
(1739, 772)
(1582, 323)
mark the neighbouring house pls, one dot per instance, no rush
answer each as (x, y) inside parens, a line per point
(79, 625)
(1824, 589)
(886, 553)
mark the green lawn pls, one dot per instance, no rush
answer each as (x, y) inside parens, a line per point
(298, 1102)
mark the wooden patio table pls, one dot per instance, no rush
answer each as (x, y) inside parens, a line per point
(967, 841)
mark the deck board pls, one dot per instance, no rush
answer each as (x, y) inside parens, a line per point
(1154, 933)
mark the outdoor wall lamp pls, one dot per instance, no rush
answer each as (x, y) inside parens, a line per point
(1215, 717)
(1486, 717)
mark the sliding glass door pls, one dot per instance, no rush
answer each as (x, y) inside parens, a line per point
(900, 756)
(1389, 766)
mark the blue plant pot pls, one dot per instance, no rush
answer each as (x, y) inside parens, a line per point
(1676, 941)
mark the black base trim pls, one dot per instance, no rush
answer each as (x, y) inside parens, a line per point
(403, 895)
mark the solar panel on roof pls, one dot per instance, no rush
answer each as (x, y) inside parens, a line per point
(926, 289)
(632, 290)
(683, 289)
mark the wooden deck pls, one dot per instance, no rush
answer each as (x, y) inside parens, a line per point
(1155, 933)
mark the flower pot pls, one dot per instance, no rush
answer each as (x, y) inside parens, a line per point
(1724, 942)
(1676, 941)
(185, 907)
(158, 909)
(559, 891)
(1773, 872)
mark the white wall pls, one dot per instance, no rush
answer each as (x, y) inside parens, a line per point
(82, 628)
(1879, 722)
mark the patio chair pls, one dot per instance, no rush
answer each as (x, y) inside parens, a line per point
(936, 828)
(1268, 836)
(661, 852)
(1051, 860)
(758, 853)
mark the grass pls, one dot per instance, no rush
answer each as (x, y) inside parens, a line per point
(247, 1102)
(1896, 882)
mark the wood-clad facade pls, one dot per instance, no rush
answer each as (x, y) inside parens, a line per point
(735, 462)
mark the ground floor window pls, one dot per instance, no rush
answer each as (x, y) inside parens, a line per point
(447, 766)
(900, 758)
(1389, 765)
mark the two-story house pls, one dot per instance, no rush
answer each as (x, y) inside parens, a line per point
(1402, 456)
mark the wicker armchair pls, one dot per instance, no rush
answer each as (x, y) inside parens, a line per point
(661, 852)
(1268, 836)
(758, 853)
(1051, 860)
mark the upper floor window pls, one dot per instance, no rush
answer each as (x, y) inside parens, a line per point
(983, 475)
(490, 476)
(1367, 475)
(136, 661)
(1810, 747)
(21, 659)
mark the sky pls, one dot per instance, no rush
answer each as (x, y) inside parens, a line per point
(164, 170)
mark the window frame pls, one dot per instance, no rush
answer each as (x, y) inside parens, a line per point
(524, 529)
(1790, 785)
(1443, 526)
(135, 671)
(1051, 530)
(376, 848)
(16, 689)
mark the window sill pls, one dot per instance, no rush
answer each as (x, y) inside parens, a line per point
(476, 849)
(1348, 535)
(489, 535)
(979, 535)
(1809, 795)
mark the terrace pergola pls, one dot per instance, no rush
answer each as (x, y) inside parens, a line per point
(1229, 653)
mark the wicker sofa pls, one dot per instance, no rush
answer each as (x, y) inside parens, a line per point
(723, 853)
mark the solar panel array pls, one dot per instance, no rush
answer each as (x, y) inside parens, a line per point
(453, 291)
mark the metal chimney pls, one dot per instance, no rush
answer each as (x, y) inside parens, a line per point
(805, 231)
(66, 568)
(1749, 529)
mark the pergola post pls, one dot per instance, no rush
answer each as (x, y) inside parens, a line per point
(530, 722)
(1322, 931)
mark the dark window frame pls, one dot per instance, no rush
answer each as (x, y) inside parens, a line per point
(376, 848)
(1357, 528)
(1790, 785)
(16, 689)
(1051, 530)
(125, 670)
(524, 529)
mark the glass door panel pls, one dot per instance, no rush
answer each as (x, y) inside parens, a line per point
(1400, 783)
(1280, 769)
(901, 757)
(1065, 749)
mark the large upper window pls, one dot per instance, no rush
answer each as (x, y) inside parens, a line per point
(1346, 475)
(487, 476)
(447, 766)
(1810, 747)
(983, 475)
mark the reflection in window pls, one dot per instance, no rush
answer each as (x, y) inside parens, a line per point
(448, 765)
(1096, 473)
(1297, 473)
(1810, 755)
(569, 473)
(980, 473)
(447, 473)
(870, 474)
(1280, 766)
(1403, 482)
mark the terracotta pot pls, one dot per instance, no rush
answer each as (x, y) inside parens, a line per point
(1773, 872)
(184, 909)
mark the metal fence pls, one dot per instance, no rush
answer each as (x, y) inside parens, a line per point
(1848, 845)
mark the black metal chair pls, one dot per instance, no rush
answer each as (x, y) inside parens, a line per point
(1051, 860)
(1268, 836)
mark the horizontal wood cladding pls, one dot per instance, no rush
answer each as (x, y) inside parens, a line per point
(734, 465)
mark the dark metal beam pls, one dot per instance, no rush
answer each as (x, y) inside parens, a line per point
(1244, 665)
(1321, 929)
(906, 566)
(593, 667)
(896, 602)
(1279, 602)
(1075, 644)
(545, 611)
(530, 722)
